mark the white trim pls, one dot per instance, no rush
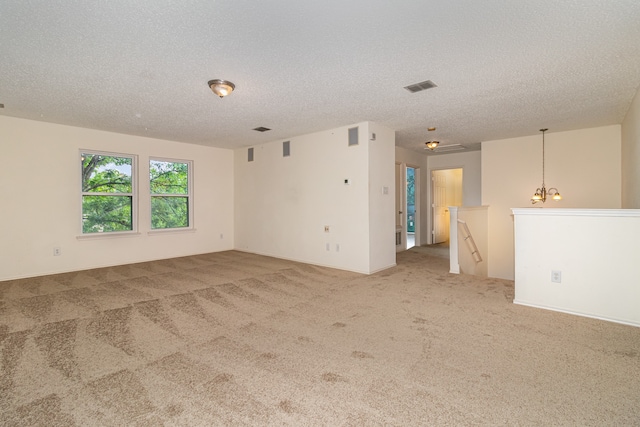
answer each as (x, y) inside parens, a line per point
(577, 212)
(108, 234)
(133, 194)
(189, 195)
(159, 231)
(577, 313)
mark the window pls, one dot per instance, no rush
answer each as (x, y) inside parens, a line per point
(108, 192)
(170, 184)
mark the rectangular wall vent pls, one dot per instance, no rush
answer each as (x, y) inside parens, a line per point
(286, 148)
(250, 154)
(417, 87)
(353, 136)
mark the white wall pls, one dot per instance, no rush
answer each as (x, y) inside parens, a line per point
(41, 208)
(596, 254)
(584, 165)
(382, 252)
(282, 204)
(631, 156)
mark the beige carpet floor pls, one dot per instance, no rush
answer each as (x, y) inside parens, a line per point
(238, 339)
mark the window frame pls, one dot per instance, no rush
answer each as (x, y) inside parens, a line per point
(189, 195)
(133, 194)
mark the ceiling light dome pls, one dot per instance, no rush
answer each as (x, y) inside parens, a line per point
(221, 88)
(431, 145)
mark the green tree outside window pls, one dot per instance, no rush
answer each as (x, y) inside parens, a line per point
(107, 193)
(169, 184)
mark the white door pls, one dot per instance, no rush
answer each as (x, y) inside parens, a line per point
(440, 209)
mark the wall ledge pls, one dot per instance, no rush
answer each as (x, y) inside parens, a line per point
(577, 212)
(468, 208)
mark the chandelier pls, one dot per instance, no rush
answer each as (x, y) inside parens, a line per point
(541, 193)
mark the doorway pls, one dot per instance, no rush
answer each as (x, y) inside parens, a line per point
(407, 206)
(411, 211)
(446, 191)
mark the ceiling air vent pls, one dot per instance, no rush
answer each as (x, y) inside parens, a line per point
(261, 129)
(420, 86)
(450, 147)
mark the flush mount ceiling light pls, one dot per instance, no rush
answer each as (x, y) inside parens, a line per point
(431, 145)
(541, 193)
(221, 88)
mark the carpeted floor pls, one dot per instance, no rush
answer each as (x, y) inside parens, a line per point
(238, 339)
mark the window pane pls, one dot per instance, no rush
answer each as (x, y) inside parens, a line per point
(169, 212)
(169, 177)
(106, 174)
(106, 213)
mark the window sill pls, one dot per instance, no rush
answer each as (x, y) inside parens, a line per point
(108, 235)
(171, 231)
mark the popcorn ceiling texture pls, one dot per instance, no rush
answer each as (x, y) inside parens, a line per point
(504, 69)
(232, 338)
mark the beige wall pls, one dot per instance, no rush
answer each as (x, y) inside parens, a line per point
(631, 156)
(283, 204)
(470, 163)
(41, 207)
(583, 164)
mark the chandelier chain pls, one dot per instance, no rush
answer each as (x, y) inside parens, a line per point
(543, 158)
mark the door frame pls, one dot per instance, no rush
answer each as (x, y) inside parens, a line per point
(430, 219)
(418, 210)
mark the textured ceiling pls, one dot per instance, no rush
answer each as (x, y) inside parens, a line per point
(503, 68)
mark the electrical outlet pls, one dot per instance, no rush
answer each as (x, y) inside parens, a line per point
(337, 247)
(556, 276)
(328, 246)
(57, 251)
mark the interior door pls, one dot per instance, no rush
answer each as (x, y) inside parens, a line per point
(440, 209)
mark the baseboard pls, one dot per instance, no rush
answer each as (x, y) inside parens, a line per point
(577, 313)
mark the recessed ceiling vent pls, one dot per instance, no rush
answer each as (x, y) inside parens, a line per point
(450, 147)
(261, 129)
(428, 84)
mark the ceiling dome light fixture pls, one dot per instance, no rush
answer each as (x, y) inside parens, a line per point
(431, 145)
(221, 88)
(541, 193)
